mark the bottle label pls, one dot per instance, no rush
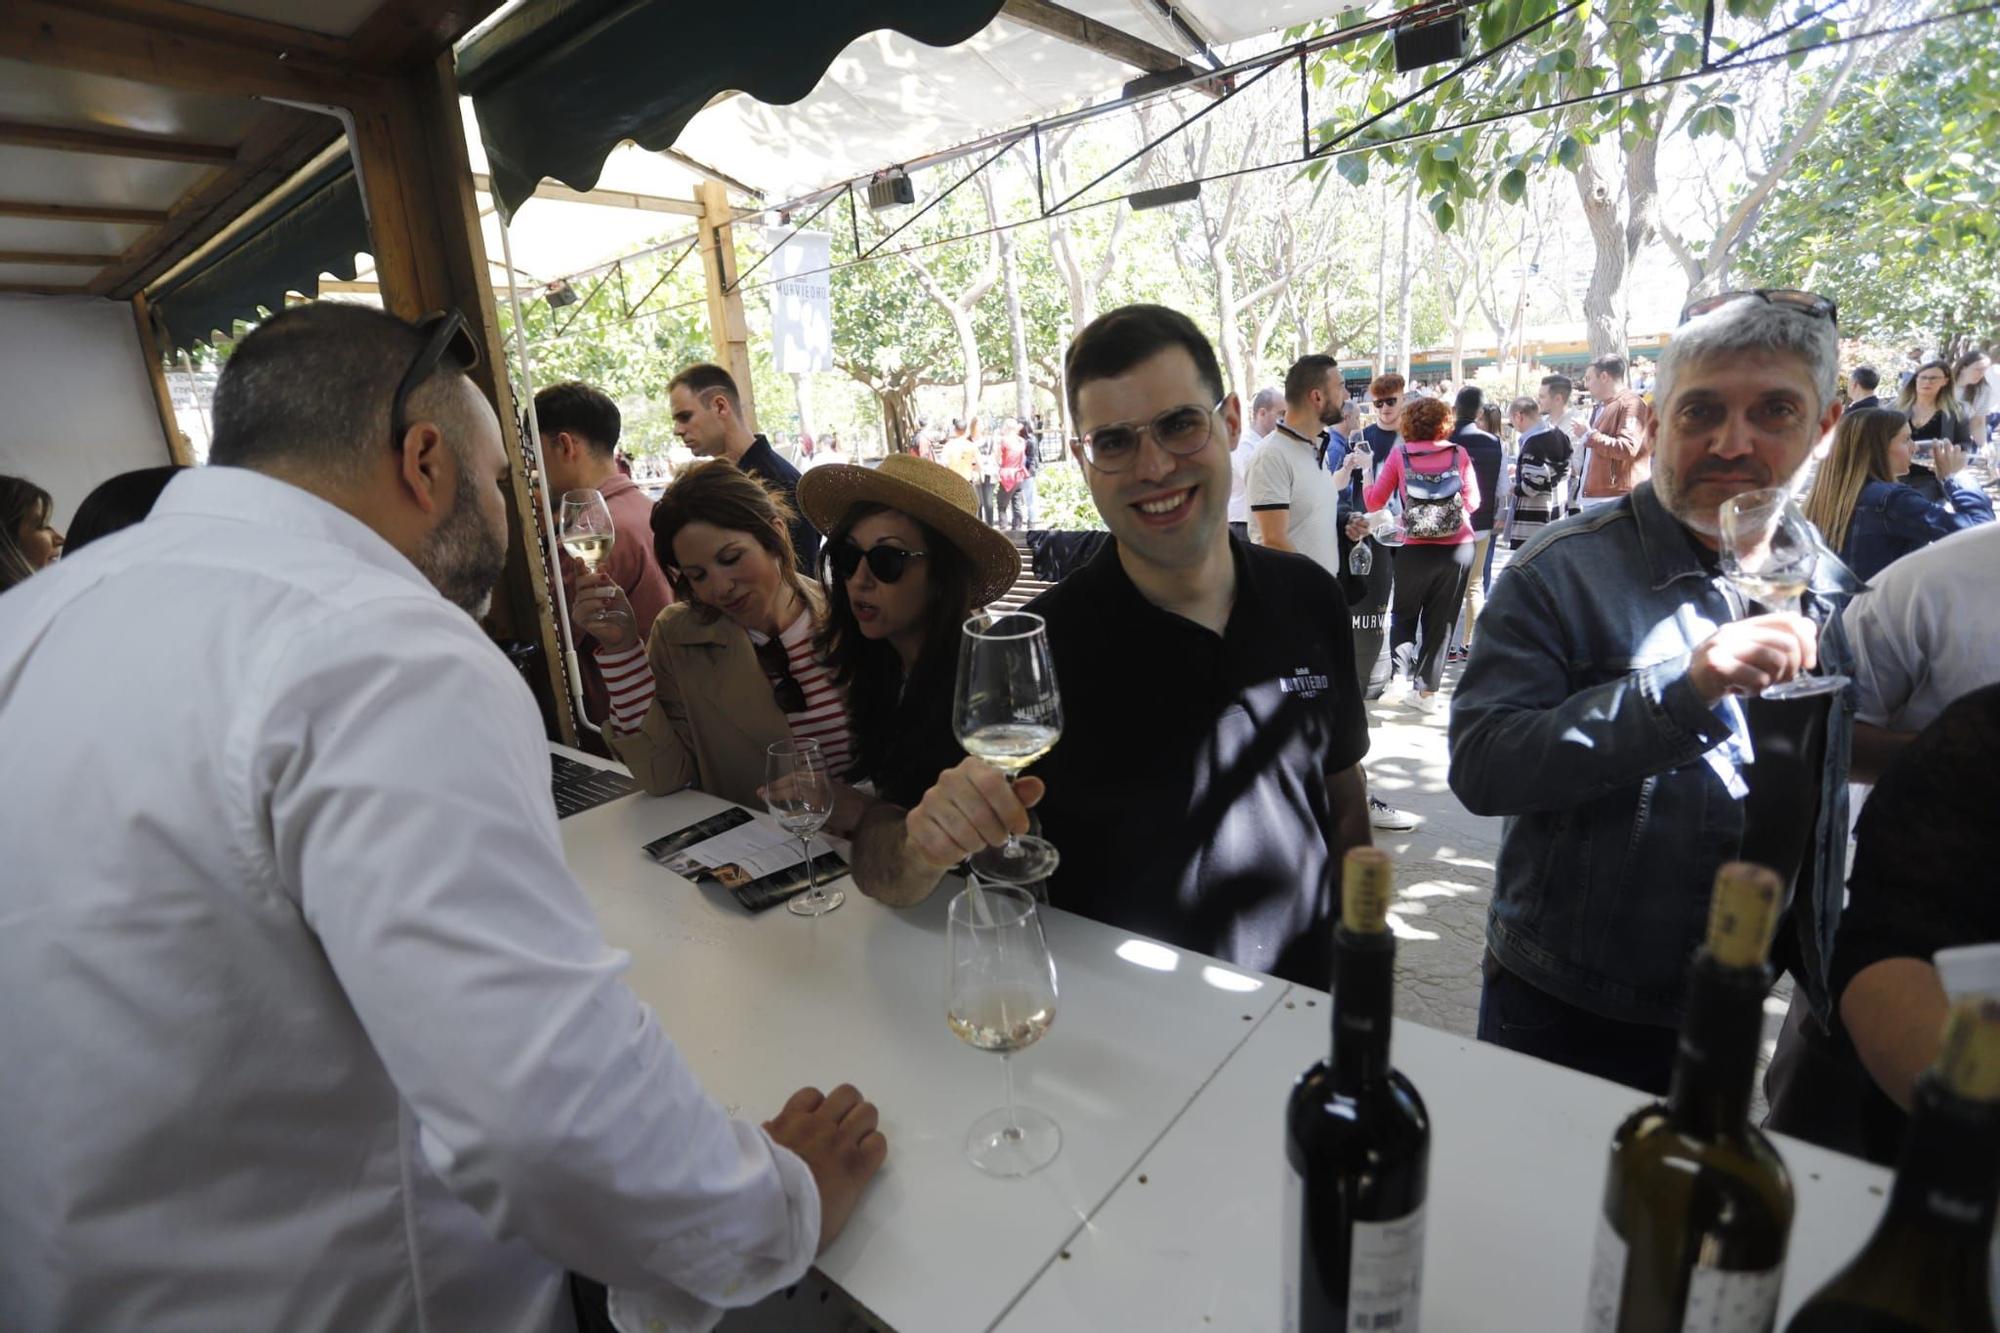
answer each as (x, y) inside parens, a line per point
(1724, 1300)
(1385, 1275)
(1607, 1279)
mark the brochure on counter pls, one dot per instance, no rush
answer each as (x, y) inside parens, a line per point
(758, 862)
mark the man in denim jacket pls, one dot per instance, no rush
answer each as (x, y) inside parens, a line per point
(1605, 714)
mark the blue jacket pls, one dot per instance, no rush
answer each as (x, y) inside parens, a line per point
(1891, 520)
(1576, 719)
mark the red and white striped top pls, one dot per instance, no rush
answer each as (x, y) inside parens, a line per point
(824, 718)
(628, 684)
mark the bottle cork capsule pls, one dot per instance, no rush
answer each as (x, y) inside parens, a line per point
(1970, 1058)
(1368, 877)
(1743, 915)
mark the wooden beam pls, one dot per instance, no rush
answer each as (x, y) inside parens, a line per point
(644, 203)
(1066, 25)
(402, 33)
(728, 329)
(40, 289)
(38, 257)
(148, 147)
(182, 16)
(143, 217)
(201, 57)
(178, 449)
(280, 141)
(423, 217)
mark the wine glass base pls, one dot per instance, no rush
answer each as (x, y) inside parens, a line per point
(1010, 1149)
(1806, 687)
(815, 903)
(1020, 862)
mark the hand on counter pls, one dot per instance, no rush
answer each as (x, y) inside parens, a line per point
(835, 1136)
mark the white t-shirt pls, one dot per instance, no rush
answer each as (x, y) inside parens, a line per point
(1927, 631)
(1239, 472)
(1286, 474)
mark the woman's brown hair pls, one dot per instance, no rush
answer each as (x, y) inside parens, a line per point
(1860, 454)
(20, 501)
(723, 495)
(1425, 420)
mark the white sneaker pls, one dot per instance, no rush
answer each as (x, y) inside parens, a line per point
(1385, 816)
(1397, 690)
(1426, 702)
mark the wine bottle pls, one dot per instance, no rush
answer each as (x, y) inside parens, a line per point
(1358, 1140)
(1697, 1204)
(1926, 1268)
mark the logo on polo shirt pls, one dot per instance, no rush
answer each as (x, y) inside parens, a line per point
(1302, 681)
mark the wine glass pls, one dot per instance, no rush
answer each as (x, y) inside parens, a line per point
(1769, 551)
(799, 791)
(1001, 996)
(585, 529)
(1009, 713)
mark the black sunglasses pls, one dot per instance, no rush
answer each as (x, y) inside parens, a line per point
(785, 687)
(886, 563)
(1388, 402)
(446, 336)
(1806, 303)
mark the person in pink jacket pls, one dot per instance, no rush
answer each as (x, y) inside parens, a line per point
(1439, 492)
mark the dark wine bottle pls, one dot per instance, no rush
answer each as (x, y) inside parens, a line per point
(1697, 1204)
(1927, 1267)
(1358, 1140)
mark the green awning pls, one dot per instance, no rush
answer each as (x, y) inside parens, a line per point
(317, 228)
(560, 83)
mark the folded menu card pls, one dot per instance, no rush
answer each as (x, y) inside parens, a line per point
(758, 862)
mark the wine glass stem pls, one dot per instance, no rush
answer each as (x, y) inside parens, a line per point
(812, 882)
(1007, 1073)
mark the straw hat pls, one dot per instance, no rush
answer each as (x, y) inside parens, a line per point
(928, 492)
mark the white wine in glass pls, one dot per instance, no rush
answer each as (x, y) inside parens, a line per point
(1008, 712)
(799, 791)
(585, 529)
(1769, 550)
(1001, 997)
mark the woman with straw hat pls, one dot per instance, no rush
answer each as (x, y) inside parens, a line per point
(733, 661)
(908, 561)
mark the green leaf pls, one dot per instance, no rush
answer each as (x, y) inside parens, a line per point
(1444, 152)
(1514, 186)
(1445, 216)
(1353, 168)
(1569, 152)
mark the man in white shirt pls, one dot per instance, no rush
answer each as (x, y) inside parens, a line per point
(1264, 409)
(307, 1024)
(1925, 633)
(1293, 498)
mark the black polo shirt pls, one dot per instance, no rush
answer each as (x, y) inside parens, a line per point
(762, 461)
(1188, 794)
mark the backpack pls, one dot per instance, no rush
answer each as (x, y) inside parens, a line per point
(1434, 502)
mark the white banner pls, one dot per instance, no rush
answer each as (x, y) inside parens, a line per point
(801, 304)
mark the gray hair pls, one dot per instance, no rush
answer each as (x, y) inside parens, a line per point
(1266, 400)
(1752, 325)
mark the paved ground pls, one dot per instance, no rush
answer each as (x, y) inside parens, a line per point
(1444, 869)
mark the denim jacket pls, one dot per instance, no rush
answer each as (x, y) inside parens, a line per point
(1891, 520)
(1577, 720)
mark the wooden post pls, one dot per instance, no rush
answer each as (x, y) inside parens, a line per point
(727, 328)
(156, 371)
(423, 222)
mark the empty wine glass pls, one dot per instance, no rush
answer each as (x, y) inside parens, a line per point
(1769, 550)
(586, 531)
(1009, 713)
(1001, 996)
(799, 791)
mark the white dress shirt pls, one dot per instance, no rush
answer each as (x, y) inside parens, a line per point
(1927, 631)
(304, 1023)
(1239, 475)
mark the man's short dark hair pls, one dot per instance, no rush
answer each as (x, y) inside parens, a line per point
(1524, 406)
(582, 411)
(1559, 385)
(705, 378)
(312, 388)
(1865, 378)
(1120, 339)
(1612, 365)
(1307, 373)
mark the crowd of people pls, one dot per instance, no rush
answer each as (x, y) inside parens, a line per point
(326, 896)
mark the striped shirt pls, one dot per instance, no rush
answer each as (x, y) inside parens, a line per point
(628, 685)
(824, 718)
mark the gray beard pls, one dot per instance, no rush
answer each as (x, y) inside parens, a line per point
(460, 557)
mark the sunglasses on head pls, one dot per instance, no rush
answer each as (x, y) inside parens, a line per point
(886, 563)
(785, 687)
(1390, 401)
(1806, 303)
(446, 339)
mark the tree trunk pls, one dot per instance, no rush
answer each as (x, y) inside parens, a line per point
(1403, 355)
(1017, 329)
(1381, 277)
(899, 416)
(1603, 316)
(803, 401)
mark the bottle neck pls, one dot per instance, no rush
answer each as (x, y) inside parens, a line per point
(1717, 1059)
(1949, 1176)
(1364, 976)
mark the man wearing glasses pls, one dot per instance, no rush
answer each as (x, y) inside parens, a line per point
(324, 1032)
(1208, 779)
(1610, 712)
